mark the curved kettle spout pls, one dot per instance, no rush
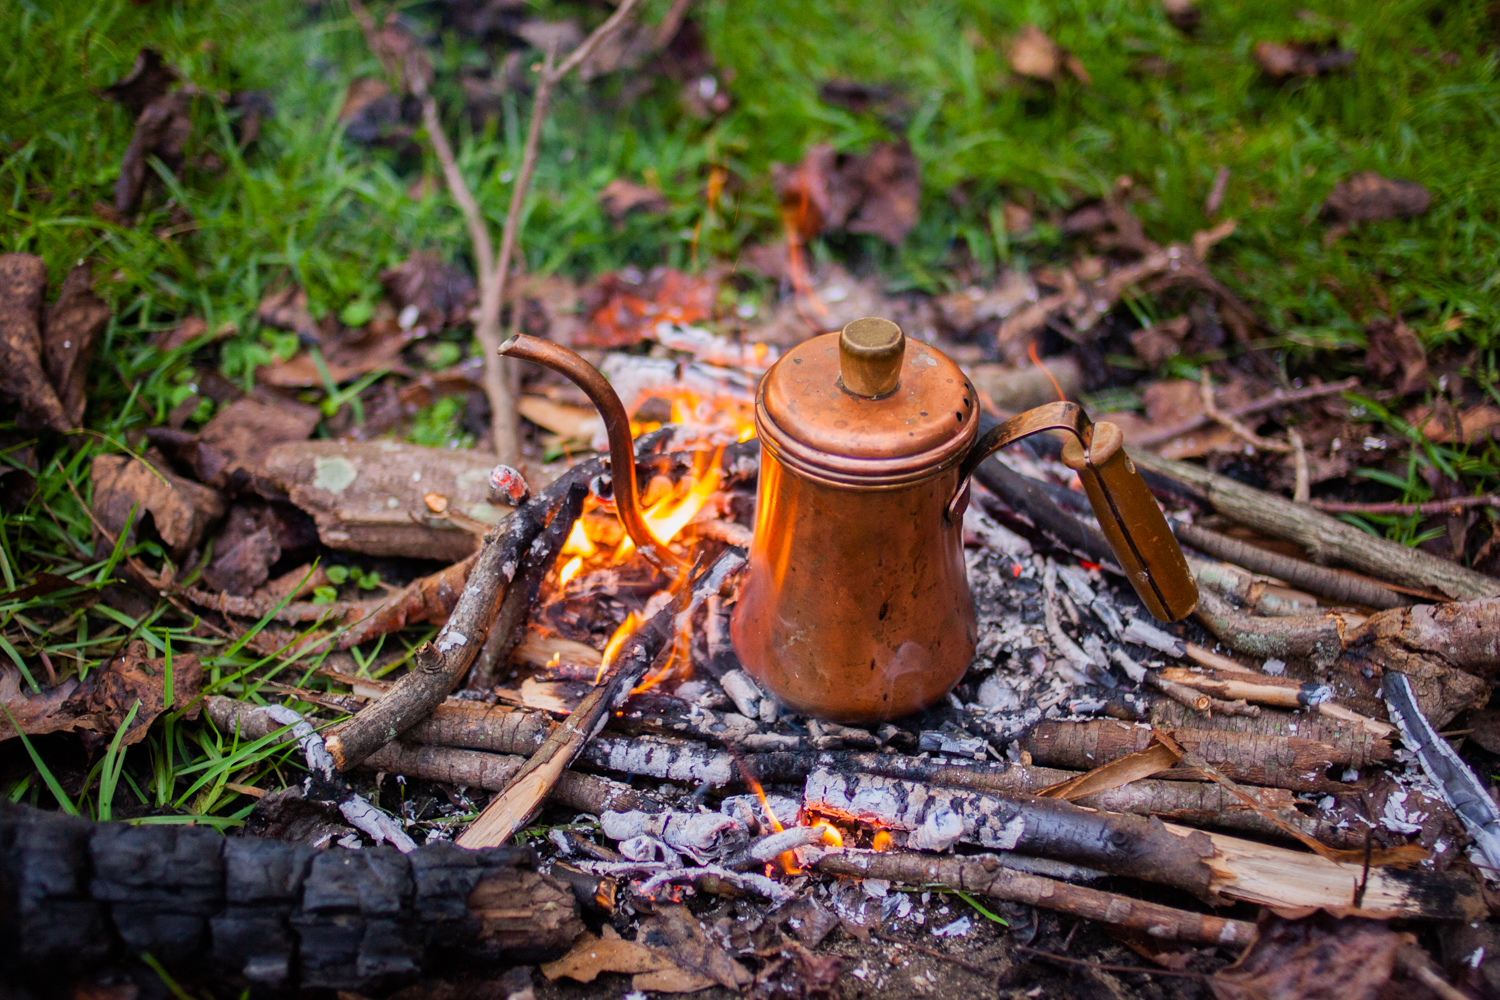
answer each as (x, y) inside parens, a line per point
(617, 425)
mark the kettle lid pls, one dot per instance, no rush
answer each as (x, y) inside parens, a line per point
(867, 402)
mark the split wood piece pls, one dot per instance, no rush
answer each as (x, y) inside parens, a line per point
(277, 915)
(985, 875)
(1259, 594)
(467, 768)
(1440, 648)
(1273, 761)
(1240, 870)
(438, 664)
(1280, 692)
(1325, 538)
(428, 599)
(510, 810)
(935, 818)
(520, 597)
(1331, 584)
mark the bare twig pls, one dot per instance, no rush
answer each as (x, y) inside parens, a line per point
(1429, 508)
(1325, 538)
(1235, 426)
(1281, 397)
(1302, 485)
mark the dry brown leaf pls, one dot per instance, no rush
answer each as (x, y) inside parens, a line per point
(23, 283)
(673, 930)
(1034, 54)
(286, 309)
(184, 333)
(1315, 958)
(572, 422)
(1116, 774)
(1369, 197)
(621, 197)
(100, 703)
(1280, 60)
(162, 131)
(1157, 343)
(149, 79)
(70, 334)
(231, 448)
(590, 956)
(1395, 356)
(441, 294)
(180, 509)
(964, 311)
(891, 181)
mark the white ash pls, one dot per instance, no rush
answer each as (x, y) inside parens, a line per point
(699, 835)
(1274, 667)
(1144, 634)
(963, 746)
(959, 928)
(940, 830)
(649, 849)
(992, 535)
(748, 811)
(743, 691)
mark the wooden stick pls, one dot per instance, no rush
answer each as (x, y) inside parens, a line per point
(984, 875)
(1280, 397)
(439, 664)
(1335, 585)
(1280, 692)
(1456, 505)
(1325, 538)
(510, 810)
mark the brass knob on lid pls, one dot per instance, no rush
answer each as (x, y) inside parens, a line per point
(870, 354)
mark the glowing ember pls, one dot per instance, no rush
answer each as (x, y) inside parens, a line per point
(882, 841)
(570, 571)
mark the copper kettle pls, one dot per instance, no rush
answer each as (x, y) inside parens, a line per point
(856, 605)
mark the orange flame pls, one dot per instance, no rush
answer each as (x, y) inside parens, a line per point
(667, 517)
(1031, 353)
(569, 571)
(579, 543)
(831, 835)
(882, 840)
(612, 649)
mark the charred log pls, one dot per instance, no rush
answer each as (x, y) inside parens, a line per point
(264, 913)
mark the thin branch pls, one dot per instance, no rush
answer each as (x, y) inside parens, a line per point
(1240, 430)
(1281, 397)
(1430, 508)
(614, 23)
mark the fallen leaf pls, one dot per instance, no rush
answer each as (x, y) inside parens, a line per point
(100, 703)
(70, 334)
(231, 448)
(966, 310)
(861, 97)
(1369, 197)
(1184, 14)
(181, 335)
(590, 956)
(371, 114)
(622, 311)
(1443, 425)
(673, 930)
(286, 309)
(180, 509)
(244, 552)
(892, 184)
(878, 192)
(162, 131)
(1034, 54)
(23, 282)
(429, 292)
(148, 79)
(1280, 60)
(621, 197)
(574, 423)
(1316, 958)
(1156, 343)
(1394, 350)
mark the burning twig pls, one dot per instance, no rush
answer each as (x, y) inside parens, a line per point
(439, 664)
(1325, 538)
(985, 875)
(513, 807)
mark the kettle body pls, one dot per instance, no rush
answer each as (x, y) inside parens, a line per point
(855, 605)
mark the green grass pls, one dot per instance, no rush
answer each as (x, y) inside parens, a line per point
(303, 204)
